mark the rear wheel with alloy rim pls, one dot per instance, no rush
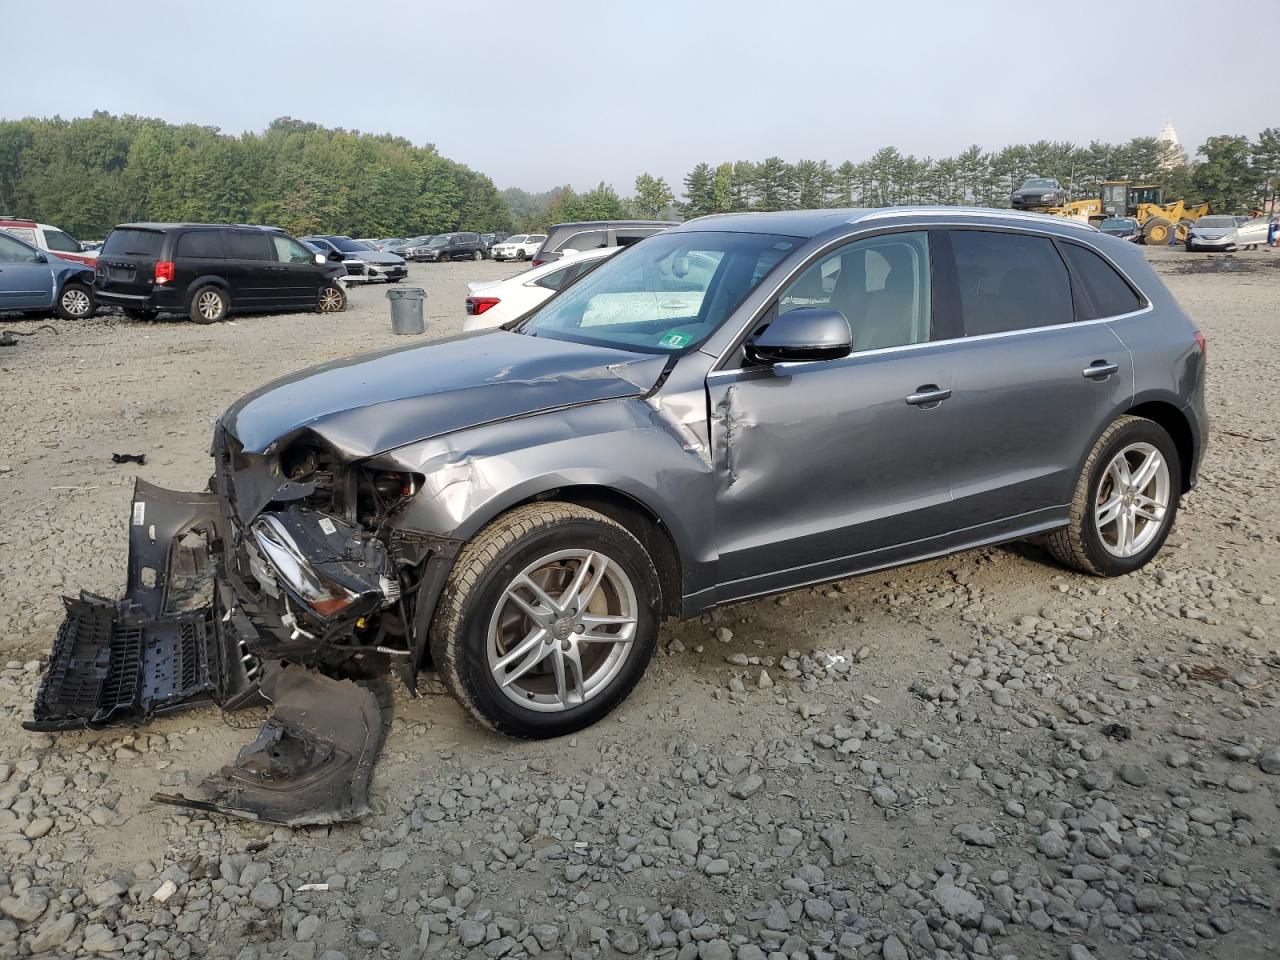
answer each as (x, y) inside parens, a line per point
(477, 254)
(1125, 500)
(75, 302)
(548, 620)
(209, 305)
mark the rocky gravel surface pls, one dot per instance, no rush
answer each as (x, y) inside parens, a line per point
(982, 756)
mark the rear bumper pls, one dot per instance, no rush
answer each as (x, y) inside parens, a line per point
(161, 298)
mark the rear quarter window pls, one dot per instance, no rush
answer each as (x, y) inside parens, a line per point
(1106, 293)
(135, 243)
(202, 244)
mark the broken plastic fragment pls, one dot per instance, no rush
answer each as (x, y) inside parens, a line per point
(311, 762)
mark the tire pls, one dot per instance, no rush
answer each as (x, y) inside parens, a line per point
(142, 315)
(1156, 231)
(477, 621)
(333, 299)
(1091, 546)
(75, 302)
(209, 305)
(521, 255)
(477, 255)
(1190, 247)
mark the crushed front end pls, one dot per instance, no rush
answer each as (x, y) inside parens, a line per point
(289, 585)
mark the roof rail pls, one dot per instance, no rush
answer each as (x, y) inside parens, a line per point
(976, 212)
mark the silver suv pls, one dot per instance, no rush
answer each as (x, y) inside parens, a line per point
(736, 406)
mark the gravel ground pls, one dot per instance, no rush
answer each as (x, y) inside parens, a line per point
(979, 756)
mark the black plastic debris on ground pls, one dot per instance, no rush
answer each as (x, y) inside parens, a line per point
(138, 458)
(160, 648)
(111, 661)
(9, 338)
(312, 761)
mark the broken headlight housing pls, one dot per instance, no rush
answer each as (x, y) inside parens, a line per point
(326, 564)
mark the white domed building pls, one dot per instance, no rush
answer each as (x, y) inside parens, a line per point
(1174, 155)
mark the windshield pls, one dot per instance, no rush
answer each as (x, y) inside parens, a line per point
(59, 242)
(665, 295)
(347, 245)
(1039, 184)
(518, 238)
(438, 241)
(535, 238)
(1216, 222)
(1117, 223)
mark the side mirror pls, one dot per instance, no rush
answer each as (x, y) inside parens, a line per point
(321, 259)
(807, 333)
(42, 258)
(335, 256)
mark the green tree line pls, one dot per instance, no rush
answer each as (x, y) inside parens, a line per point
(1235, 174)
(1232, 172)
(88, 174)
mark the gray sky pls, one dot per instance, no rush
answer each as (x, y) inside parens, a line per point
(537, 94)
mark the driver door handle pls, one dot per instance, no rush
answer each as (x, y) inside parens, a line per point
(1100, 370)
(928, 395)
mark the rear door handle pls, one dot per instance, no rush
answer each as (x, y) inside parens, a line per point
(928, 395)
(1100, 370)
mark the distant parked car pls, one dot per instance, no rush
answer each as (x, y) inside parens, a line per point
(597, 233)
(452, 246)
(1038, 192)
(492, 303)
(405, 248)
(209, 270)
(522, 246)
(49, 239)
(1227, 233)
(377, 265)
(1126, 228)
(35, 281)
(355, 268)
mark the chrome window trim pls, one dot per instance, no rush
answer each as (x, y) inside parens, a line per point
(717, 366)
(978, 214)
(880, 351)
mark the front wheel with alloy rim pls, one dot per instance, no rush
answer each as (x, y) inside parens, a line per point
(209, 305)
(549, 618)
(477, 254)
(75, 302)
(333, 299)
(1125, 500)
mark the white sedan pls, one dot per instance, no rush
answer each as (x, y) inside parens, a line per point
(492, 303)
(520, 247)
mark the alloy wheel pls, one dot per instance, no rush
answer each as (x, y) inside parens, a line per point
(562, 630)
(330, 300)
(210, 305)
(75, 303)
(1132, 500)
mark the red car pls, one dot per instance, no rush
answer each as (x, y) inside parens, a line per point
(51, 239)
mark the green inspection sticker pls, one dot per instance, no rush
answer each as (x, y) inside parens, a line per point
(675, 339)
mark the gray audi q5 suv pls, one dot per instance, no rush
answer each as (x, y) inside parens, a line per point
(736, 406)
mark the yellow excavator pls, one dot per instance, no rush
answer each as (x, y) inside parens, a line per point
(1144, 202)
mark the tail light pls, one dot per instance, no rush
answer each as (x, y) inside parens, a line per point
(164, 271)
(1203, 344)
(537, 263)
(478, 305)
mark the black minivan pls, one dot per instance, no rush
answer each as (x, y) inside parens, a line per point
(210, 270)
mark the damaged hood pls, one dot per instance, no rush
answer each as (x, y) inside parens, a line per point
(372, 403)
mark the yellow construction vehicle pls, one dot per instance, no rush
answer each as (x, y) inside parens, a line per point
(1121, 198)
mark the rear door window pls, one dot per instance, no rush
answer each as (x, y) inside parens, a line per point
(200, 244)
(133, 243)
(248, 245)
(23, 233)
(1009, 281)
(1106, 293)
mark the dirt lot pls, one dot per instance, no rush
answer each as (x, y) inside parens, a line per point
(979, 756)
